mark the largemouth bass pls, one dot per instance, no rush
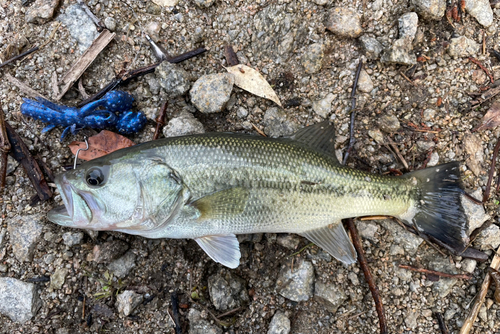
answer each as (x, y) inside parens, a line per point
(211, 187)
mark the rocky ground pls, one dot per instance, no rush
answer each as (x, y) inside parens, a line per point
(414, 90)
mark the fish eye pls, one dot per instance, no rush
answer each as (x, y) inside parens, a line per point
(94, 177)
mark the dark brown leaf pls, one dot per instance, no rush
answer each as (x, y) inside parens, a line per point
(101, 144)
(491, 119)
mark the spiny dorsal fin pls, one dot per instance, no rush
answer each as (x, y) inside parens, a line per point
(335, 241)
(222, 204)
(223, 249)
(320, 136)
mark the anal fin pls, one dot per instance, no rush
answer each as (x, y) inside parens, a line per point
(224, 249)
(335, 241)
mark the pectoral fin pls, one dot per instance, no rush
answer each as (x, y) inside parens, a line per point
(335, 241)
(224, 249)
(222, 204)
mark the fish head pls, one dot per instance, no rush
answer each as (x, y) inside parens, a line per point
(135, 196)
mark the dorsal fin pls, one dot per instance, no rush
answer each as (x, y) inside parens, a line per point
(320, 136)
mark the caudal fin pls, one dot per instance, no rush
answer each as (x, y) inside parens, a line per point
(439, 214)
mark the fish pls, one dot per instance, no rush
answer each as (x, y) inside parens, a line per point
(211, 187)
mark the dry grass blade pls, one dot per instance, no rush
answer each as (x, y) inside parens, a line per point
(471, 318)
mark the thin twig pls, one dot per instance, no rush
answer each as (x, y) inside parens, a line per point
(471, 317)
(408, 79)
(441, 323)
(99, 25)
(368, 276)
(160, 120)
(353, 112)
(23, 87)
(175, 311)
(478, 63)
(52, 34)
(19, 56)
(398, 154)
(486, 195)
(236, 310)
(435, 273)
(258, 130)
(4, 148)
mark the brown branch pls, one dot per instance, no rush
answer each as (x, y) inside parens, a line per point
(353, 112)
(230, 55)
(486, 195)
(441, 323)
(368, 276)
(160, 120)
(23, 87)
(478, 63)
(21, 153)
(4, 148)
(175, 311)
(435, 273)
(19, 56)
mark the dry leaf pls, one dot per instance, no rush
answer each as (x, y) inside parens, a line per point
(491, 119)
(252, 81)
(101, 144)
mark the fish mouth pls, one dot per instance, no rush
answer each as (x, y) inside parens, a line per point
(63, 215)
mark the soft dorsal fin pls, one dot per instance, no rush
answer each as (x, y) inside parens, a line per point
(335, 241)
(224, 249)
(320, 136)
(222, 204)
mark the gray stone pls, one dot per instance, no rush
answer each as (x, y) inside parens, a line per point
(204, 3)
(41, 11)
(109, 251)
(296, 285)
(242, 112)
(211, 92)
(409, 241)
(425, 146)
(183, 124)
(444, 286)
(18, 300)
(400, 53)
(434, 160)
(173, 79)
(330, 296)
(198, 325)
(127, 301)
(408, 26)
(411, 318)
(377, 135)
(489, 238)
(353, 277)
(344, 22)
(469, 265)
(79, 25)
(277, 124)
(365, 83)
(430, 9)
(372, 47)
(474, 148)
(72, 238)
(3, 231)
(476, 215)
(368, 229)
(280, 324)
(321, 2)
(122, 266)
(312, 59)
(227, 291)
(58, 277)
(481, 11)
(110, 23)
(323, 107)
(429, 114)
(289, 241)
(11, 165)
(24, 231)
(278, 30)
(462, 47)
(388, 123)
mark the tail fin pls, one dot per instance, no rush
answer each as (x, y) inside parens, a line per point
(439, 214)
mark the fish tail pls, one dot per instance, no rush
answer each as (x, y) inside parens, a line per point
(438, 213)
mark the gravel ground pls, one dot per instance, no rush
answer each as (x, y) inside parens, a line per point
(309, 53)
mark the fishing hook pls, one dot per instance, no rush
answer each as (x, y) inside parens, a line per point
(80, 149)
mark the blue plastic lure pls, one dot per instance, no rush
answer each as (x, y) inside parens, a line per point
(113, 110)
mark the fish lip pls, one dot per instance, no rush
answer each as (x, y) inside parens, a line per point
(63, 214)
